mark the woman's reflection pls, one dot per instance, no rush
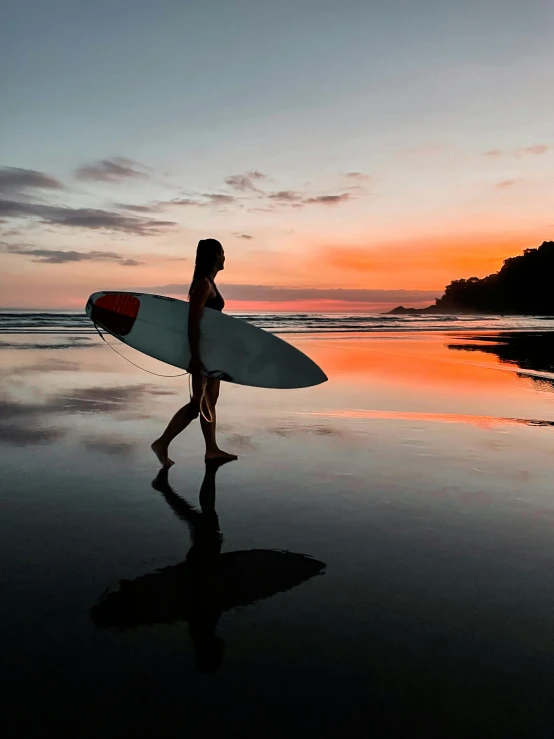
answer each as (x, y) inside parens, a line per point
(207, 583)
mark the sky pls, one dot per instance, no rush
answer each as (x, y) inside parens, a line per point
(350, 156)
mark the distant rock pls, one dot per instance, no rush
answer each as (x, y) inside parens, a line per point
(401, 311)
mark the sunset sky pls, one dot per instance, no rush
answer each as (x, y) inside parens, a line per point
(350, 155)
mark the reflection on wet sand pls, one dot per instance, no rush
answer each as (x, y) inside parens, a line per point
(207, 583)
(419, 364)
(528, 350)
(26, 421)
(483, 421)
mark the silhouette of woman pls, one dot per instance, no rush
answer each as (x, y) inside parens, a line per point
(202, 564)
(210, 259)
(207, 583)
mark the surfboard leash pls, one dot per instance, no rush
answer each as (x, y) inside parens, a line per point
(203, 400)
(157, 374)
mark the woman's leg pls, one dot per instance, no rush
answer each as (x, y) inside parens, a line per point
(209, 427)
(178, 423)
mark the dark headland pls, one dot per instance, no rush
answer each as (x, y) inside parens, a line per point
(524, 286)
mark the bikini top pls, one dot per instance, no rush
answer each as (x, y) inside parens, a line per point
(216, 301)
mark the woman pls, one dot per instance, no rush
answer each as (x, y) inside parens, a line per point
(210, 259)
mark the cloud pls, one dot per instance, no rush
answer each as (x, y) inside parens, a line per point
(209, 199)
(115, 169)
(90, 218)
(507, 183)
(219, 199)
(15, 180)
(10, 232)
(246, 237)
(295, 199)
(328, 199)
(54, 256)
(245, 182)
(150, 208)
(284, 294)
(285, 196)
(185, 202)
(424, 261)
(358, 176)
(536, 150)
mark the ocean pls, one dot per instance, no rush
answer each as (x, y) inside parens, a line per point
(59, 322)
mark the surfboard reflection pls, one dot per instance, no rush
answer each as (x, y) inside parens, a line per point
(207, 583)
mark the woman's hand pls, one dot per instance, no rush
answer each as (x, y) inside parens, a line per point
(195, 366)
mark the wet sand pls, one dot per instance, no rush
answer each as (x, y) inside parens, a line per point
(413, 493)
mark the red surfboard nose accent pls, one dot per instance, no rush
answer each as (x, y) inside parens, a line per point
(116, 312)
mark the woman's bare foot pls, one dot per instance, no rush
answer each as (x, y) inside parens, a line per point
(160, 450)
(214, 454)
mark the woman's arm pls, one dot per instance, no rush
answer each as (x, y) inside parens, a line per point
(198, 297)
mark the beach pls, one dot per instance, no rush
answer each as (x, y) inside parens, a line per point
(415, 488)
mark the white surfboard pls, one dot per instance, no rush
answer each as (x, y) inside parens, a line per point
(230, 348)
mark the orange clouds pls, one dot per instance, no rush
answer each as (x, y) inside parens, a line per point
(419, 264)
(310, 262)
(508, 183)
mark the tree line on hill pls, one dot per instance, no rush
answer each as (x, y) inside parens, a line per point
(523, 286)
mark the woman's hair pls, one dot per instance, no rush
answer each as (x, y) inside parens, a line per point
(207, 252)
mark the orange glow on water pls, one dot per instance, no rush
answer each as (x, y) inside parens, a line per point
(481, 421)
(416, 377)
(418, 363)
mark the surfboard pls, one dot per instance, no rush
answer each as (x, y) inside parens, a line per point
(231, 349)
